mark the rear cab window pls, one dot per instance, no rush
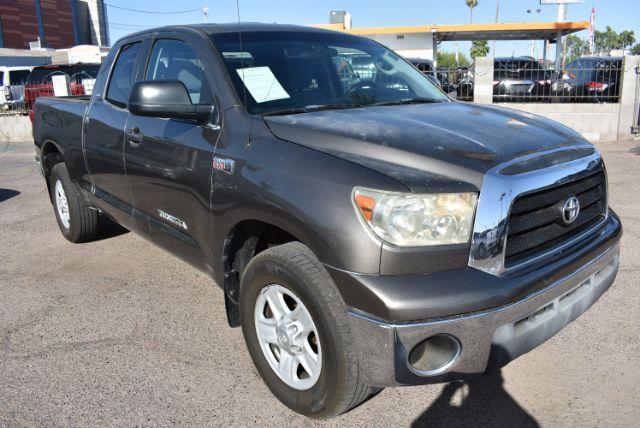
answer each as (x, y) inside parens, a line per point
(42, 76)
(123, 74)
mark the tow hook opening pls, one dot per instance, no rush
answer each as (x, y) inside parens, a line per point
(434, 355)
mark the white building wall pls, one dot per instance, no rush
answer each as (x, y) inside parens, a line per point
(408, 45)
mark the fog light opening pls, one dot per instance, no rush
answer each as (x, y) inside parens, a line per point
(434, 355)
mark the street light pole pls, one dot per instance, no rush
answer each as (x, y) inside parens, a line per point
(205, 13)
(534, 13)
(497, 15)
(562, 9)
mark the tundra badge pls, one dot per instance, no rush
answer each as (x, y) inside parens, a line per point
(172, 219)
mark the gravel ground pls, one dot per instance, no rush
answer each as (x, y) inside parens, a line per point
(118, 332)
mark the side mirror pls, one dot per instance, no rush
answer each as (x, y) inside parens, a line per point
(166, 99)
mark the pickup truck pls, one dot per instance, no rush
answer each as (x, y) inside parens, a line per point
(367, 231)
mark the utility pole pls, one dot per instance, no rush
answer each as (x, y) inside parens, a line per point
(205, 13)
(496, 21)
(562, 10)
(534, 13)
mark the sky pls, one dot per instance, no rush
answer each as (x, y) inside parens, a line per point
(619, 14)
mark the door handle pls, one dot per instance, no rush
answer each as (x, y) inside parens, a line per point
(134, 136)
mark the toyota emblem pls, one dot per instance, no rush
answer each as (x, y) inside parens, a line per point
(570, 210)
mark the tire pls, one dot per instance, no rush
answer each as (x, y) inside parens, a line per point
(294, 268)
(77, 221)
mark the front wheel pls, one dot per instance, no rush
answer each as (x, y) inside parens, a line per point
(296, 329)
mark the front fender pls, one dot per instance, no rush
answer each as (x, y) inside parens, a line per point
(304, 192)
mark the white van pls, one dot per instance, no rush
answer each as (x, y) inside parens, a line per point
(12, 80)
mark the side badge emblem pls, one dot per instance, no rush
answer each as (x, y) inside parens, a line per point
(223, 164)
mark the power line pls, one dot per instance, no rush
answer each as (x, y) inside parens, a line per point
(152, 11)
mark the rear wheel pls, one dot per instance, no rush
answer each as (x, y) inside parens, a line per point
(297, 332)
(77, 221)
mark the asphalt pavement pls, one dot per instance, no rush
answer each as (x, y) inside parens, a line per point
(119, 332)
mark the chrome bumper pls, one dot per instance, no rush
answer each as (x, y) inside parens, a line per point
(489, 338)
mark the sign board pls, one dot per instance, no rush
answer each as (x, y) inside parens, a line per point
(561, 1)
(60, 85)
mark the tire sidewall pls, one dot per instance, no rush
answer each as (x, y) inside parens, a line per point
(59, 173)
(318, 399)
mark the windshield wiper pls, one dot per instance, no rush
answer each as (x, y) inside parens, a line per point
(407, 101)
(319, 107)
(310, 108)
(285, 111)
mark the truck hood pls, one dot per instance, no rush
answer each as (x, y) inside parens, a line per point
(427, 147)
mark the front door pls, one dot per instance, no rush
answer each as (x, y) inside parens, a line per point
(169, 161)
(104, 139)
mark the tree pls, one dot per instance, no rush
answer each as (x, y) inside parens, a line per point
(479, 48)
(625, 39)
(471, 4)
(635, 50)
(576, 47)
(448, 60)
(610, 39)
(606, 40)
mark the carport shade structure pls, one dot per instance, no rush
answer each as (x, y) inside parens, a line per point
(394, 37)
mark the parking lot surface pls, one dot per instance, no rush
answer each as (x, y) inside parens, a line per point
(118, 332)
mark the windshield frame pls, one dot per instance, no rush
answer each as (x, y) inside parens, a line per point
(242, 94)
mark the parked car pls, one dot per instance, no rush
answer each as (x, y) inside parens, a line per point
(426, 67)
(589, 79)
(365, 236)
(39, 82)
(12, 80)
(514, 79)
(447, 79)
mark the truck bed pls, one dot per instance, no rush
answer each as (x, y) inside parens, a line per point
(59, 119)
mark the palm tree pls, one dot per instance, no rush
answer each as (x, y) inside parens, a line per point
(471, 4)
(479, 48)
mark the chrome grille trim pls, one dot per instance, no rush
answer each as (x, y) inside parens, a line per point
(488, 240)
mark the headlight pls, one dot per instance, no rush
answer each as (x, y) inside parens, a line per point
(412, 220)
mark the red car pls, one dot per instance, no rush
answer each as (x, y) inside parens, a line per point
(39, 83)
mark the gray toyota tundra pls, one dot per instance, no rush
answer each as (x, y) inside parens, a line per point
(367, 231)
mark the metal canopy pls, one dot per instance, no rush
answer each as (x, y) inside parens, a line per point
(508, 31)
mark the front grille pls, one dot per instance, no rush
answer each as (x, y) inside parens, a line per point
(535, 221)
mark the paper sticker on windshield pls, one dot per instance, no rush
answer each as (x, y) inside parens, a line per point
(262, 84)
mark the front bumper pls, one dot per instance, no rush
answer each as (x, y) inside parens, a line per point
(489, 338)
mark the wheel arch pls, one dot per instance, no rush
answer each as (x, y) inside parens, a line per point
(51, 153)
(245, 239)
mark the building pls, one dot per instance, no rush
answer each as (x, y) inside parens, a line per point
(54, 24)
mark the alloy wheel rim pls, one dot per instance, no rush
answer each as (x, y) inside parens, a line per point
(288, 337)
(62, 205)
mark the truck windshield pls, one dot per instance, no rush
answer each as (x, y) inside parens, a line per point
(293, 72)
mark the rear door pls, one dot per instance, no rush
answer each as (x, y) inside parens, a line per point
(169, 161)
(104, 126)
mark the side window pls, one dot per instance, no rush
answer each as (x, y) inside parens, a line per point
(123, 75)
(176, 60)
